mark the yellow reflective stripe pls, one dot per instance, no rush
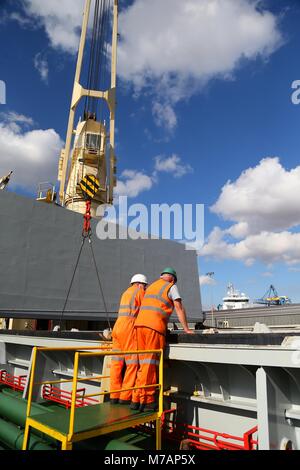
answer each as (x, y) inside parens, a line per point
(133, 298)
(163, 288)
(149, 361)
(157, 297)
(154, 309)
(129, 308)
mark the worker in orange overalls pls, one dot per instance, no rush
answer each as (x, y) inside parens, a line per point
(124, 339)
(160, 299)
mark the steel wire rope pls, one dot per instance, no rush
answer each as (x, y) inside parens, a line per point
(90, 73)
(96, 72)
(73, 277)
(99, 282)
(99, 49)
(92, 56)
(71, 283)
(96, 57)
(101, 64)
(103, 68)
(96, 61)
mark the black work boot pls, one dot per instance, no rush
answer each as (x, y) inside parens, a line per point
(150, 407)
(114, 401)
(134, 406)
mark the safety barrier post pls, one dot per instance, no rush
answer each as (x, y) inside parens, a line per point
(31, 384)
(74, 393)
(160, 401)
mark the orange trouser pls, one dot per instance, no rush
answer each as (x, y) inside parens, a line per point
(148, 368)
(124, 339)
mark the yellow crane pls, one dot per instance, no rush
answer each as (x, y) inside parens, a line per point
(86, 172)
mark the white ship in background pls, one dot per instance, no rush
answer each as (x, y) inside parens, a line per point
(234, 299)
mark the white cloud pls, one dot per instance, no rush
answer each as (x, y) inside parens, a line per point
(206, 281)
(267, 247)
(41, 65)
(267, 274)
(263, 204)
(32, 155)
(16, 121)
(61, 19)
(13, 117)
(294, 269)
(173, 48)
(263, 198)
(22, 20)
(170, 48)
(132, 183)
(193, 38)
(172, 165)
(164, 115)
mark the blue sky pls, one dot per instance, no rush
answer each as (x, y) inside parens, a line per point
(213, 110)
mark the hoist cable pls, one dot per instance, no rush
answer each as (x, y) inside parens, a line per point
(71, 283)
(99, 283)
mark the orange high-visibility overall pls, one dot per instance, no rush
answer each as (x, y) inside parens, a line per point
(124, 339)
(151, 326)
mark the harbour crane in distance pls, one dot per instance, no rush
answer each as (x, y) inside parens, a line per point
(271, 297)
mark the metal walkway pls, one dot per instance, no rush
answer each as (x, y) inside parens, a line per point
(91, 421)
(78, 424)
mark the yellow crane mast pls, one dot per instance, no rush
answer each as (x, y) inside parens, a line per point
(84, 172)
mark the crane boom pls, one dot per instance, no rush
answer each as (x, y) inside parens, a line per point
(90, 138)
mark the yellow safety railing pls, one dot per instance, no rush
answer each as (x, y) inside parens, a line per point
(88, 352)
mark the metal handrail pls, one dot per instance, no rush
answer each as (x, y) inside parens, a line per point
(81, 352)
(82, 379)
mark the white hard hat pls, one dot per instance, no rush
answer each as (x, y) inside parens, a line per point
(139, 278)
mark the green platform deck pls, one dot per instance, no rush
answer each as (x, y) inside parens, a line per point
(90, 418)
(90, 421)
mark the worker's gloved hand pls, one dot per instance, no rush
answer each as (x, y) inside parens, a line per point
(106, 335)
